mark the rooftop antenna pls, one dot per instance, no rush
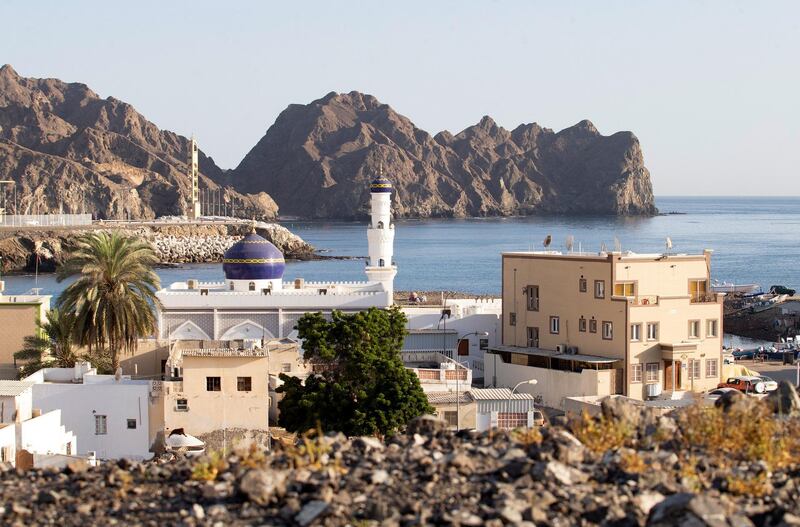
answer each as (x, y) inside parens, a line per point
(603, 248)
(570, 242)
(547, 241)
(617, 245)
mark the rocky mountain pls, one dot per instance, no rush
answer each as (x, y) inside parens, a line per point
(317, 160)
(69, 150)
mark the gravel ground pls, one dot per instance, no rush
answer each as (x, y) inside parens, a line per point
(426, 476)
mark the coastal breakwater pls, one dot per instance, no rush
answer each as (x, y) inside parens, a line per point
(174, 243)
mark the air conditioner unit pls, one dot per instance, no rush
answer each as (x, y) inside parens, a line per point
(561, 348)
(653, 390)
(572, 350)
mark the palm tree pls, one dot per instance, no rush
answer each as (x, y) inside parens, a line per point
(114, 295)
(51, 346)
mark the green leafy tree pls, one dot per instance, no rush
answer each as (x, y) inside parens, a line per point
(359, 385)
(51, 346)
(113, 298)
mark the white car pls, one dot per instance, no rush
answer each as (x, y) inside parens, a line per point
(769, 383)
(712, 396)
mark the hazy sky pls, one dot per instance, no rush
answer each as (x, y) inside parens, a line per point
(712, 89)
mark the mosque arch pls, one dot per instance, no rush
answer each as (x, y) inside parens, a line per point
(247, 330)
(188, 331)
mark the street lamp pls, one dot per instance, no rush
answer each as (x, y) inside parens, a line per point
(529, 381)
(458, 374)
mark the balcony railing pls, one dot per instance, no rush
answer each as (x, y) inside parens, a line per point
(702, 298)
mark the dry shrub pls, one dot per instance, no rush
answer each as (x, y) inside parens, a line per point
(600, 434)
(631, 462)
(527, 436)
(752, 485)
(746, 432)
(208, 467)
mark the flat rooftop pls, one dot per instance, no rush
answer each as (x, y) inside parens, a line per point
(603, 255)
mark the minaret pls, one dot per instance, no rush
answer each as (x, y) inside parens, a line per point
(380, 235)
(194, 203)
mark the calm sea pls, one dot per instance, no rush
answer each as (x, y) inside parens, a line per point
(755, 240)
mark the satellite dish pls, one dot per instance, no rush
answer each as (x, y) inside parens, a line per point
(570, 242)
(547, 241)
(617, 245)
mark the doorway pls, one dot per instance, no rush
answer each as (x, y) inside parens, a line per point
(672, 368)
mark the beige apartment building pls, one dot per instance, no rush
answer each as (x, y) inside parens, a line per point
(19, 318)
(607, 323)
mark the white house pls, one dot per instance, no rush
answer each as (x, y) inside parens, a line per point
(111, 417)
(498, 408)
(28, 436)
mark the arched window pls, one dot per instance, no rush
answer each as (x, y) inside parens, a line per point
(380, 225)
(251, 286)
(381, 263)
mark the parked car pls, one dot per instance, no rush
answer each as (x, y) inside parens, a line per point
(713, 395)
(728, 358)
(769, 383)
(745, 384)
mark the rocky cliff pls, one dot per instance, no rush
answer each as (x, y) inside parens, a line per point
(317, 160)
(69, 150)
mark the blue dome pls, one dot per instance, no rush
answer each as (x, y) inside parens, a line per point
(253, 258)
(380, 184)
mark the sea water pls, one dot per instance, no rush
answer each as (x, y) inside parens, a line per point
(755, 240)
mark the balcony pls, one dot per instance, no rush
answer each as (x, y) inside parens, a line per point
(703, 298)
(644, 300)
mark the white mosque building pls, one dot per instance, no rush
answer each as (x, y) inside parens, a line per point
(254, 304)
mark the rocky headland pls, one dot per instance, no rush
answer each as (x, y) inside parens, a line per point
(318, 158)
(734, 465)
(173, 243)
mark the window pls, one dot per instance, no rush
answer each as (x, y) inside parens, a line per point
(251, 286)
(636, 332)
(592, 326)
(694, 369)
(533, 337)
(286, 367)
(636, 373)
(509, 420)
(244, 384)
(582, 324)
(182, 405)
(608, 330)
(512, 319)
(582, 284)
(652, 331)
(711, 368)
(712, 328)
(213, 384)
(381, 263)
(483, 344)
(694, 329)
(555, 325)
(599, 289)
(380, 225)
(100, 425)
(652, 372)
(131, 424)
(68, 449)
(623, 289)
(451, 418)
(532, 292)
(697, 290)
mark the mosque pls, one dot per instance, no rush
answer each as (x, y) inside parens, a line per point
(254, 304)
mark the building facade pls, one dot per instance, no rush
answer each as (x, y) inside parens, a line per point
(608, 323)
(19, 318)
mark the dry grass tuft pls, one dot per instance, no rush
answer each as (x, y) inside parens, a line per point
(631, 462)
(208, 467)
(527, 436)
(600, 434)
(756, 486)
